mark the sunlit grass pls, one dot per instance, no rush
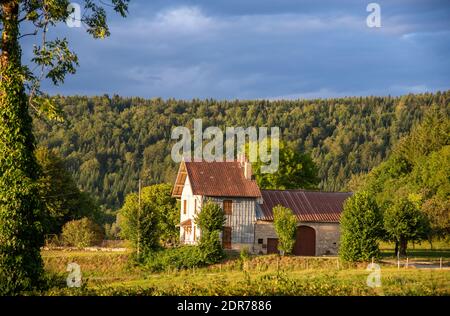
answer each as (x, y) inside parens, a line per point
(109, 273)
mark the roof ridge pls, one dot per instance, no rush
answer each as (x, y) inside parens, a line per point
(305, 190)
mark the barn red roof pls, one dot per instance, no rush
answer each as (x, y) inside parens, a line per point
(216, 179)
(308, 206)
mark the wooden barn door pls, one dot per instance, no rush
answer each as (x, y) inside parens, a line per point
(226, 237)
(272, 245)
(305, 244)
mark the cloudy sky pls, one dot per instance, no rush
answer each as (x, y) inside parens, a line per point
(246, 49)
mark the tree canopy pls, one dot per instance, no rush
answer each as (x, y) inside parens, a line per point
(63, 199)
(113, 141)
(153, 223)
(295, 171)
(418, 171)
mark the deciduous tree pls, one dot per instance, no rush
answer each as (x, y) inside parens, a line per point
(361, 228)
(21, 209)
(285, 224)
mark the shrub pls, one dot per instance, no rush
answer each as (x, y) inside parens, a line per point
(82, 233)
(210, 247)
(112, 231)
(285, 224)
(211, 220)
(361, 226)
(183, 257)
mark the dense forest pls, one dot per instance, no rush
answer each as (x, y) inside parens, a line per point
(108, 143)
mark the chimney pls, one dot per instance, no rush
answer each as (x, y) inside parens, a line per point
(241, 159)
(248, 170)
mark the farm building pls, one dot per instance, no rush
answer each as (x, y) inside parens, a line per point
(248, 210)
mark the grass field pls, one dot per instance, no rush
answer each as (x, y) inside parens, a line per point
(109, 273)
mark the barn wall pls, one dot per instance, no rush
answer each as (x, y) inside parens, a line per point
(327, 237)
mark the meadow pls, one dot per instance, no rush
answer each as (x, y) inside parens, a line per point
(111, 273)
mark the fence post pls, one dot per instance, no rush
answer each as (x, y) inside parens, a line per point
(407, 262)
(440, 263)
(398, 259)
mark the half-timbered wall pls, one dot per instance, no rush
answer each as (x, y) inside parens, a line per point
(242, 220)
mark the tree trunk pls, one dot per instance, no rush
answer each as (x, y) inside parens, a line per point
(403, 246)
(20, 207)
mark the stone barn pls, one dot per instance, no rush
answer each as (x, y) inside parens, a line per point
(248, 210)
(318, 216)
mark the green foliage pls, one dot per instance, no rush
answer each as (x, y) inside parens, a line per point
(210, 220)
(82, 233)
(21, 209)
(361, 228)
(210, 247)
(295, 171)
(112, 231)
(183, 257)
(404, 221)
(63, 200)
(52, 58)
(114, 141)
(154, 223)
(418, 168)
(285, 224)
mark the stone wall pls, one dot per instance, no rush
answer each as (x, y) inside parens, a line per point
(327, 237)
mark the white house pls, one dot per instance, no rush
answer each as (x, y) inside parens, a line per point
(248, 210)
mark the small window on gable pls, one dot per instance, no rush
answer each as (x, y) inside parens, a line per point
(184, 207)
(227, 207)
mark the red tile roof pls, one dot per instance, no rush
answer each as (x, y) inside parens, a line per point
(308, 206)
(217, 179)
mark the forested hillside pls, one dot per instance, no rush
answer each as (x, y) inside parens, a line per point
(110, 142)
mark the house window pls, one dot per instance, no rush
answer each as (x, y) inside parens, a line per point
(195, 206)
(260, 241)
(184, 207)
(227, 207)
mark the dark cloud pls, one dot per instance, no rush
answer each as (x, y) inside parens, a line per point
(265, 49)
